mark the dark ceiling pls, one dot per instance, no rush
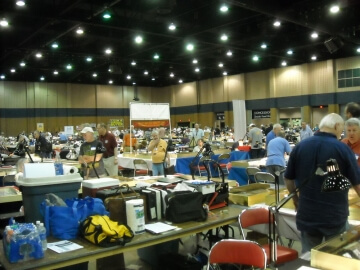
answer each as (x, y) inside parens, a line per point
(248, 23)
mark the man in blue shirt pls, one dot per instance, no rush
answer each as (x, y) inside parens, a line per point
(276, 150)
(321, 215)
(305, 131)
(272, 134)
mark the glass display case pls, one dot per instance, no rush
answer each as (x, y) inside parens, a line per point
(340, 252)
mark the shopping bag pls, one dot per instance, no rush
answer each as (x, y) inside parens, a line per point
(87, 206)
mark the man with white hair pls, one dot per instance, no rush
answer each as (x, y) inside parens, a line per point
(90, 155)
(272, 134)
(321, 215)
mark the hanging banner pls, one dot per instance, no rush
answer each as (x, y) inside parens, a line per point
(151, 124)
(256, 114)
(116, 122)
(40, 127)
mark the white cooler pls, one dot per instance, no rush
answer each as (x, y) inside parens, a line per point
(90, 187)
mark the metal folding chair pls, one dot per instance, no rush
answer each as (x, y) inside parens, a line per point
(140, 167)
(251, 171)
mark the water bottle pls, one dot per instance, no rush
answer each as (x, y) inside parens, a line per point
(59, 170)
(42, 234)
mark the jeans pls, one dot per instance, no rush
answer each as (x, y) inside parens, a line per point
(310, 240)
(276, 168)
(157, 169)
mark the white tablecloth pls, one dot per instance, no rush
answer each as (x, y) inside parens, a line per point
(128, 162)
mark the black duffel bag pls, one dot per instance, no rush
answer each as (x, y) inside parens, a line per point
(182, 206)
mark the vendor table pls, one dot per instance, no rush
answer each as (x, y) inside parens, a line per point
(219, 217)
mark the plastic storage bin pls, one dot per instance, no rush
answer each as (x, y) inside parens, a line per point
(34, 190)
(90, 187)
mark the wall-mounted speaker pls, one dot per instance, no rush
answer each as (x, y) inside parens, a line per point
(333, 44)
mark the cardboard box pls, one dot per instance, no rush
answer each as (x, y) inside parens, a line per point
(330, 254)
(249, 195)
(205, 187)
(90, 187)
(270, 198)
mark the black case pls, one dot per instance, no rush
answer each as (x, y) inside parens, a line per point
(110, 192)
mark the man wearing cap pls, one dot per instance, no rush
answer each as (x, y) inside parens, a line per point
(110, 156)
(255, 137)
(90, 155)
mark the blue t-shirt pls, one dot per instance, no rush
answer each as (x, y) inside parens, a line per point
(276, 150)
(271, 135)
(318, 209)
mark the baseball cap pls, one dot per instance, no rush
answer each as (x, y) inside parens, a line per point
(87, 129)
(252, 125)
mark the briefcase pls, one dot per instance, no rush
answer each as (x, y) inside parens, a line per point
(114, 191)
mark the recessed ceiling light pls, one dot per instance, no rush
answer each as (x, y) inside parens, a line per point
(224, 73)
(88, 59)
(79, 31)
(277, 23)
(195, 61)
(314, 35)
(358, 50)
(108, 51)
(94, 75)
(13, 70)
(42, 78)
(134, 83)
(263, 46)
(290, 52)
(4, 22)
(68, 66)
(133, 63)
(334, 9)
(221, 65)
(156, 56)
(313, 57)
(128, 77)
(38, 55)
(229, 53)
(146, 72)
(56, 72)
(224, 37)
(110, 81)
(106, 15)
(138, 39)
(172, 27)
(22, 64)
(55, 45)
(283, 63)
(153, 79)
(224, 8)
(2, 76)
(180, 81)
(190, 47)
(255, 58)
(172, 74)
(197, 69)
(20, 3)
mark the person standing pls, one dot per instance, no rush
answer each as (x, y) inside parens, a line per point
(110, 156)
(197, 133)
(41, 145)
(157, 147)
(321, 215)
(352, 128)
(255, 137)
(305, 131)
(90, 155)
(272, 134)
(352, 109)
(276, 150)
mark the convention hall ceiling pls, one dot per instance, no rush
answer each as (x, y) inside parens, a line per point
(41, 41)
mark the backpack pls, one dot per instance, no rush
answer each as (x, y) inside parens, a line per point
(104, 232)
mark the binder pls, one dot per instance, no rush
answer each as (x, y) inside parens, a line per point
(151, 203)
(158, 202)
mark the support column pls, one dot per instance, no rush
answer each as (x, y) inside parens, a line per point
(334, 108)
(306, 115)
(274, 115)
